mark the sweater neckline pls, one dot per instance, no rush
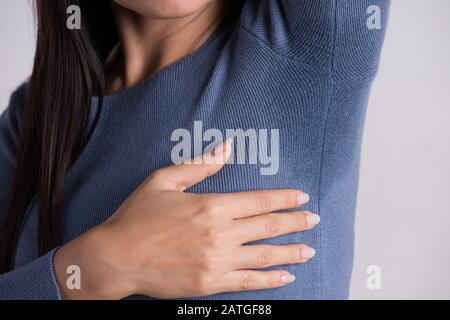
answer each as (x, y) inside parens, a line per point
(224, 26)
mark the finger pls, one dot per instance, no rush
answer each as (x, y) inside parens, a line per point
(251, 203)
(272, 225)
(179, 177)
(244, 280)
(263, 256)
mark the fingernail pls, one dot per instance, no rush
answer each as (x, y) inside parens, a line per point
(287, 278)
(307, 253)
(312, 219)
(220, 154)
(302, 198)
(219, 149)
(229, 142)
(222, 147)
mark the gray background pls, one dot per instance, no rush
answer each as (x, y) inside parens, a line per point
(403, 215)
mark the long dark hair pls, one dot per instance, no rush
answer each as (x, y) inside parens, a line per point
(68, 70)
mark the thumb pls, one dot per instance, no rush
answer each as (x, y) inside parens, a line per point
(179, 177)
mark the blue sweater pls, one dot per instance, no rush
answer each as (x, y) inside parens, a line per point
(303, 68)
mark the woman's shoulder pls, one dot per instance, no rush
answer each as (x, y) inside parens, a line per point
(341, 36)
(17, 99)
(10, 121)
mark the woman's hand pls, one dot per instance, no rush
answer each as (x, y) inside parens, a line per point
(166, 243)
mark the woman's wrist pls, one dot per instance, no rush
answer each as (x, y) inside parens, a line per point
(85, 268)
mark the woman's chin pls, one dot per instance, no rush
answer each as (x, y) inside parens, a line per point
(164, 9)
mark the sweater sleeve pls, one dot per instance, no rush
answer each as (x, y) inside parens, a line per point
(342, 36)
(36, 280)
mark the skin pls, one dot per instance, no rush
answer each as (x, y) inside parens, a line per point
(156, 33)
(162, 241)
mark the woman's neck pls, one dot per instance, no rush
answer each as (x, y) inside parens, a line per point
(147, 45)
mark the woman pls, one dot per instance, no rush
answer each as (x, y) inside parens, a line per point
(83, 144)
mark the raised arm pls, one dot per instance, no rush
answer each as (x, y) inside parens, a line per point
(341, 36)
